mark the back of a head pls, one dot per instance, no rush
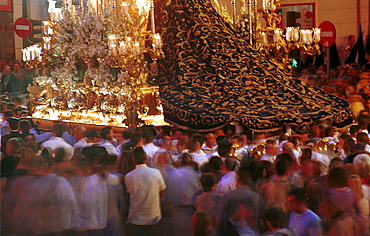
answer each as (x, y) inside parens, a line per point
(91, 151)
(13, 123)
(58, 130)
(201, 223)
(244, 175)
(136, 138)
(299, 194)
(139, 155)
(126, 134)
(24, 126)
(230, 164)
(337, 178)
(215, 163)
(281, 168)
(224, 148)
(276, 217)
(362, 137)
(105, 131)
(208, 181)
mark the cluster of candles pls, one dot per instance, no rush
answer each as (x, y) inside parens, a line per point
(268, 5)
(32, 53)
(294, 34)
(129, 46)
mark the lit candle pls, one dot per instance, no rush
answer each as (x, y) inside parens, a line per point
(47, 41)
(24, 54)
(277, 35)
(124, 8)
(129, 44)
(295, 35)
(316, 34)
(136, 48)
(157, 42)
(28, 54)
(264, 5)
(306, 36)
(112, 44)
(289, 33)
(264, 38)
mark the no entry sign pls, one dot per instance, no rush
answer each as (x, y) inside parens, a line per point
(23, 27)
(328, 34)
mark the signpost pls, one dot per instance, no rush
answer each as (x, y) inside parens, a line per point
(23, 27)
(327, 38)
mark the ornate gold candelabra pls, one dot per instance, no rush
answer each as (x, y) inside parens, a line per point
(279, 47)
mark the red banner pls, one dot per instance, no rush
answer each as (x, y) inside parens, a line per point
(6, 5)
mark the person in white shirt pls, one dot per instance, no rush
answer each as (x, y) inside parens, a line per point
(242, 153)
(149, 147)
(79, 132)
(363, 138)
(58, 142)
(229, 180)
(210, 143)
(196, 152)
(145, 186)
(107, 136)
(270, 155)
(164, 146)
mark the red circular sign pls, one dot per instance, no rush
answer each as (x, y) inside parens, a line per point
(328, 34)
(23, 27)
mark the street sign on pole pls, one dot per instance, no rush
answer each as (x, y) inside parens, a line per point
(23, 27)
(328, 34)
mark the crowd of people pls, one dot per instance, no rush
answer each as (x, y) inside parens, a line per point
(168, 181)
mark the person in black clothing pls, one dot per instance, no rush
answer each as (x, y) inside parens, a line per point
(14, 133)
(8, 81)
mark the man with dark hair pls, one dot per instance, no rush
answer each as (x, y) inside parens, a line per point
(107, 136)
(8, 81)
(145, 186)
(354, 130)
(149, 147)
(136, 140)
(223, 149)
(14, 133)
(5, 125)
(276, 221)
(208, 201)
(229, 180)
(364, 138)
(210, 143)
(276, 191)
(239, 209)
(302, 219)
(58, 142)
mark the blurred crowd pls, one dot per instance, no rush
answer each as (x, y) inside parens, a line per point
(167, 181)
